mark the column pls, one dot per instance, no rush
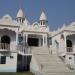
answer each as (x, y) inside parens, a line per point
(46, 40)
(14, 46)
(42, 23)
(26, 38)
(65, 43)
(23, 39)
(39, 41)
(43, 40)
(0, 39)
(16, 38)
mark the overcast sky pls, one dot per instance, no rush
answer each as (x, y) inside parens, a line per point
(58, 11)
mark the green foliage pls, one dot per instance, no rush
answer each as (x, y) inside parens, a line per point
(17, 73)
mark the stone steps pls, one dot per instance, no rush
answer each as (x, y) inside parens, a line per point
(51, 64)
(55, 73)
(47, 58)
(40, 50)
(54, 69)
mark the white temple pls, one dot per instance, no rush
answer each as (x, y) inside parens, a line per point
(32, 47)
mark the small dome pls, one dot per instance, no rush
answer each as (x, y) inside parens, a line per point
(20, 13)
(35, 23)
(43, 16)
(7, 16)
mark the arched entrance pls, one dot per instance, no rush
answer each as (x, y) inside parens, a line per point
(5, 42)
(33, 41)
(69, 46)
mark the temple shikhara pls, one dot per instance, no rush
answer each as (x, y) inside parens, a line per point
(33, 47)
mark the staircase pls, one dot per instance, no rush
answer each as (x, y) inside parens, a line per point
(50, 64)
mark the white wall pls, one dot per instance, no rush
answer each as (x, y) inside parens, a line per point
(11, 63)
(61, 42)
(69, 61)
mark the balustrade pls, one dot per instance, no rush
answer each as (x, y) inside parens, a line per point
(69, 49)
(4, 46)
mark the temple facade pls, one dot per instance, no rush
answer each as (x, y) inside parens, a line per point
(33, 47)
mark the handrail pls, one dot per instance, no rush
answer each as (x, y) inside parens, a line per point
(12, 47)
(23, 49)
(5, 46)
(65, 50)
(69, 49)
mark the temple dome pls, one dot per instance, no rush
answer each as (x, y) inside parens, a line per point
(7, 16)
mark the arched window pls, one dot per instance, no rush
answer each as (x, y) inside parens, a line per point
(5, 42)
(69, 45)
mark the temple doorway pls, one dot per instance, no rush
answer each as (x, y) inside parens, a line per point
(69, 46)
(33, 42)
(5, 39)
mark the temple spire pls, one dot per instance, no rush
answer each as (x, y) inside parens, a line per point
(20, 16)
(43, 19)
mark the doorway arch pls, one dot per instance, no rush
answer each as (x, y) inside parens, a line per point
(69, 46)
(5, 39)
(5, 42)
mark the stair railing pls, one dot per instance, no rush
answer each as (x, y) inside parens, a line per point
(24, 49)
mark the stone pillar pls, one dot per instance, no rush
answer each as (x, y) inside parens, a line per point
(16, 38)
(0, 39)
(65, 43)
(14, 46)
(39, 41)
(43, 40)
(46, 40)
(26, 38)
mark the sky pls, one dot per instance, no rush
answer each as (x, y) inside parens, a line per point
(58, 12)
